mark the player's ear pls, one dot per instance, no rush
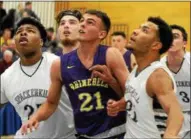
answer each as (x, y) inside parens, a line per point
(102, 34)
(41, 42)
(156, 45)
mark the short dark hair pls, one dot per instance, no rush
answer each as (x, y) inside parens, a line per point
(63, 13)
(164, 32)
(34, 22)
(178, 27)
(119, 33)
(103, 16)
(50, 29)
(28, 3)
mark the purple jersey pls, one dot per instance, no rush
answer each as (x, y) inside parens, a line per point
(127, 58)
(89, 96)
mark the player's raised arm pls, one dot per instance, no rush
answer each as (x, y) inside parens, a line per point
(50, 105)
(160, 84)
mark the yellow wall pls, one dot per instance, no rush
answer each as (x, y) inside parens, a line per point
(134, 13)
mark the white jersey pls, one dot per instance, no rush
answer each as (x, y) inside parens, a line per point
(26, 87)
(143, 119)
(182, 78)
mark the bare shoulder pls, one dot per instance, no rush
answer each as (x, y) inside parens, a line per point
(160, 74)
(113, 55)
(160, 81)
(113, 50)
(56, 68)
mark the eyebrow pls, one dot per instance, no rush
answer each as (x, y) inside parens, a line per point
(63, 20)
(144, 26)
(27, 27)
(90, 19)
(176, 34)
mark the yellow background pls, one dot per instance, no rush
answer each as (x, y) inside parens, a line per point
(134, 13)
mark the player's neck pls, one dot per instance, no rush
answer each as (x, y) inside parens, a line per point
(88, 49)
(123, 51)
(144, 61)
(30, 60)
(68, 49)
(86, 53)
(174, 59)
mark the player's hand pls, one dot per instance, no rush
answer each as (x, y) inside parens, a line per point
(112, 108)
(30, 126)
(103, 72)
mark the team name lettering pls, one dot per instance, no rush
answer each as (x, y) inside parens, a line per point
(31, 93)
(87, 82)
(133, 93)
(183, 83)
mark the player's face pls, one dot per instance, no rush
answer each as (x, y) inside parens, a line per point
(178, 43)
(143, 38)
(28, 40)
(68, 28)
(91, 28)
(118, 42)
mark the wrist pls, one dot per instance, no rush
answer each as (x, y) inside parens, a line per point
(170, 136)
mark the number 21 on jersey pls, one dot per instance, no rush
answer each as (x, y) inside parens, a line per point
(87, 98)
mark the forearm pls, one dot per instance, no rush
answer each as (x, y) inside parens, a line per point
(116, 87)
(174, 122)
(122, 104)
(45, 111)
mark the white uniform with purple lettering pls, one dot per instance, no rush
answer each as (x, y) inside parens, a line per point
(26, 87)
(182, 78)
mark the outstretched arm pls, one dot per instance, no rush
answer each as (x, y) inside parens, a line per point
(160, 85)
(50, 105)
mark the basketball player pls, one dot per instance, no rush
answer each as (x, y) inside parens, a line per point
(88, 96)
(25, 84)
(178, 61)
(150, 90)
(68, 29)
(119, 41)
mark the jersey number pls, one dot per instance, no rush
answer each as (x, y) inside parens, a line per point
(131, 112)
(30, 109)
(87, 98)
(185, 97)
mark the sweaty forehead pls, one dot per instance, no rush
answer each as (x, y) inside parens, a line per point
(150, 25)
(118, 37)
(91, 16)
(68, 17)
(28, 26)
(176, 31)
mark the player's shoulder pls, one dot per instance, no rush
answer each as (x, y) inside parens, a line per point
(163, 59)
(9, 72)
(187, 55)
(49, 57)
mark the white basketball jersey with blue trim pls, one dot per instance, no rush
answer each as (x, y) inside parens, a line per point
(142, 115)
(182, 78)
(27, 93)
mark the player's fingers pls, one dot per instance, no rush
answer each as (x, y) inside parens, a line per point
(100, 75)
(36, 124)
(24, 129)
(93, 75)
(111, 113)
(97, 68)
